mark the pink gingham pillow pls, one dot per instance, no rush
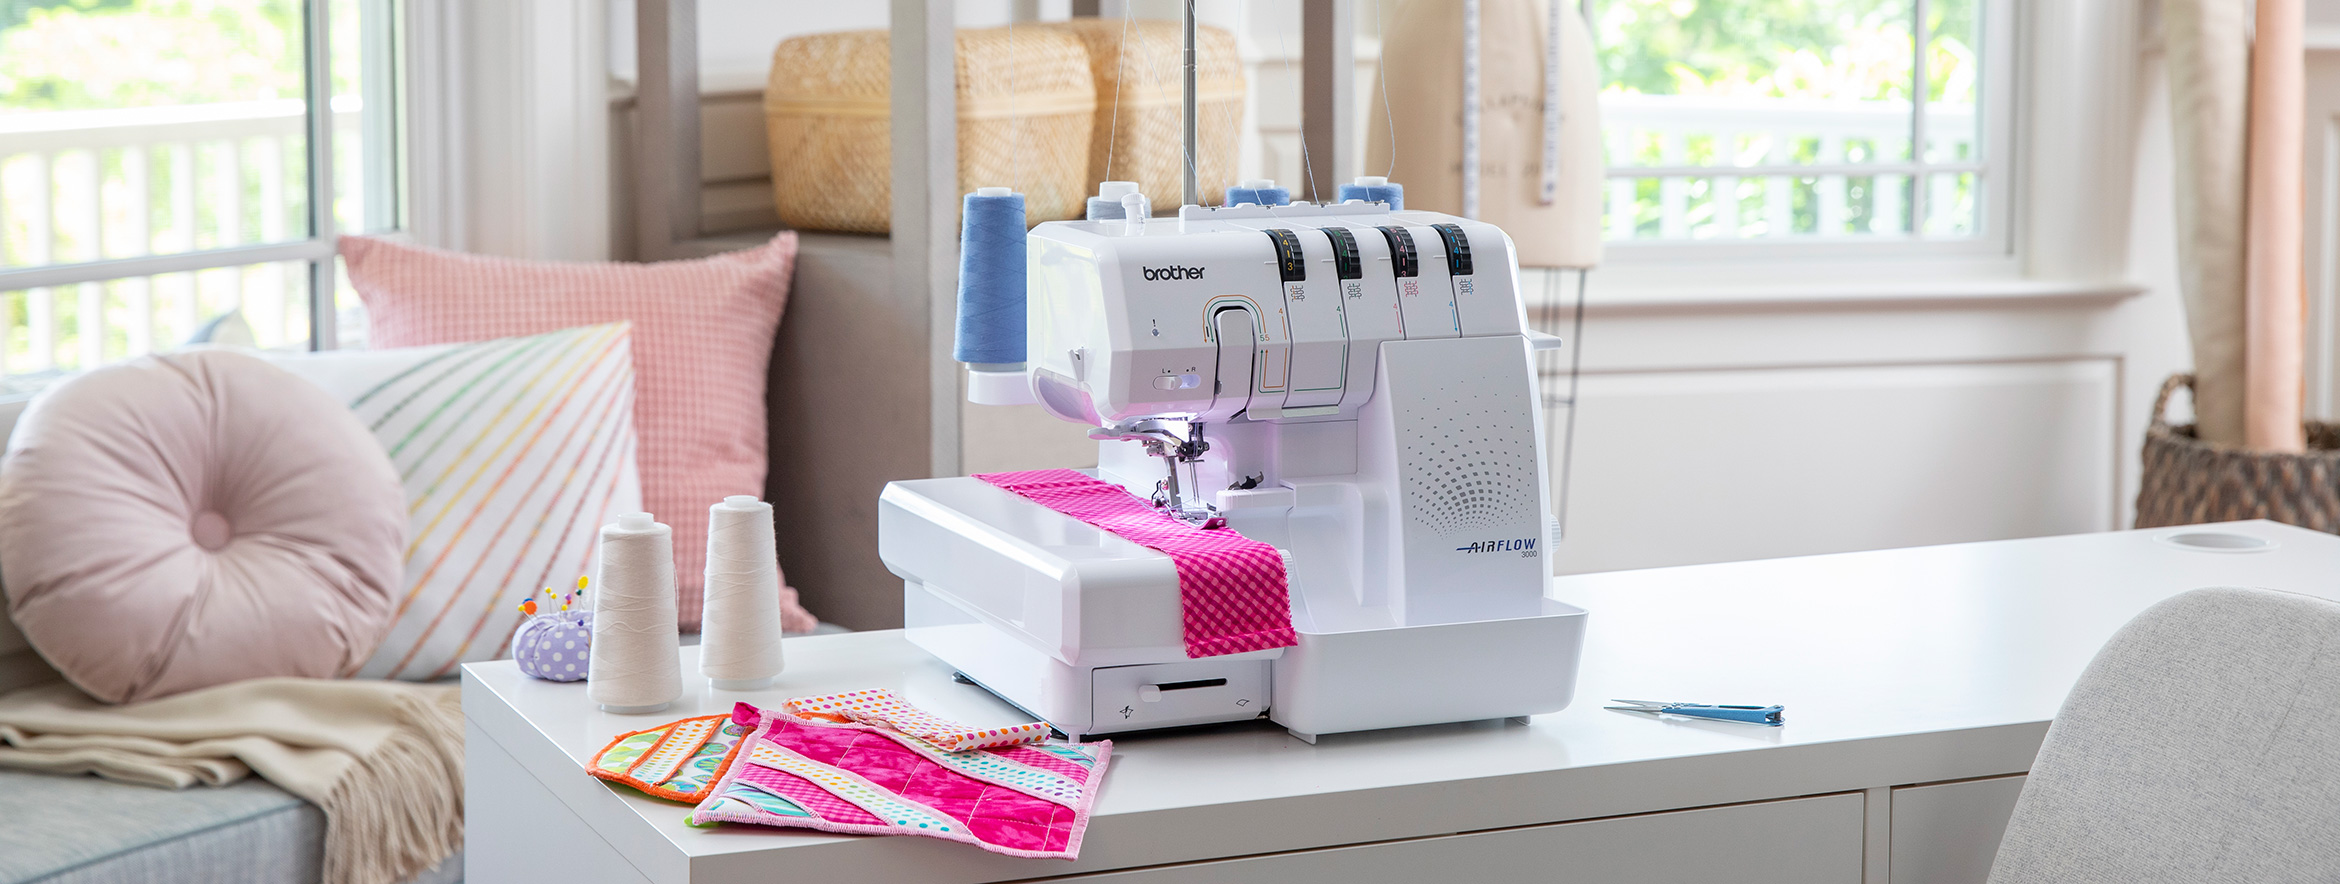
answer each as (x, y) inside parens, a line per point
(702, 344)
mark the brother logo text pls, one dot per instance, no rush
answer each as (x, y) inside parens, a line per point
(1158, 273)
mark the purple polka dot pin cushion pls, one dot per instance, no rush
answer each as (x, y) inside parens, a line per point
(554, 645)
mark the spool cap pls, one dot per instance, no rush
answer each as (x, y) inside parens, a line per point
(636, 522)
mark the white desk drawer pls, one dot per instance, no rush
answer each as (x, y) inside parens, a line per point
(1798, 841)
(1949, 833)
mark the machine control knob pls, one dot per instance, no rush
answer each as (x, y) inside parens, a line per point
(1148, 693)
(1403, 259)
(1290, 264)
(1458, 248)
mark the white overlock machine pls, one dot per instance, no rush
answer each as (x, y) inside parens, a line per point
(1350, 384)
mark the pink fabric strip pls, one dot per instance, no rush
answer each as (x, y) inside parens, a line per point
(1230, 587)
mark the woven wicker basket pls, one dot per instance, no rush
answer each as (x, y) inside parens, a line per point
(1024, 122)
(1137, 136)
(2187, 481)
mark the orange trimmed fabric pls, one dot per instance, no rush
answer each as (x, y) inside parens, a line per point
(887, 709)
(676, 760)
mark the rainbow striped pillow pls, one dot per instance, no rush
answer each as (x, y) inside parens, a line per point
(513, 452)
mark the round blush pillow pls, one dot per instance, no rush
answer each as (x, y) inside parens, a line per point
(180, 521)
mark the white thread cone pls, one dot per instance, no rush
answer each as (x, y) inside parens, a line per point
(739, 637)
(637, 651)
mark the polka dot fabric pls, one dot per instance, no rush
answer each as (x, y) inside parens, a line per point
(857, 778)
(553, 647)
(702, 342)
(888, 709)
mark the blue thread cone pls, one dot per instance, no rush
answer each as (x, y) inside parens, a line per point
(1259, 191)
(991, 279)
(1374, 190)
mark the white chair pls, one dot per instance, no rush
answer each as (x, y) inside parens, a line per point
(2201, 745)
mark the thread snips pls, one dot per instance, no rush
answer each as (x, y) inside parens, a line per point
(1764, 715)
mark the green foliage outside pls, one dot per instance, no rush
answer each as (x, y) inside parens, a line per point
(1856, 50)
(89, 54)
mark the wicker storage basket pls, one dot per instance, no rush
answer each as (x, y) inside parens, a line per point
(1023, 122)
(1136, 64)
(2187, 481)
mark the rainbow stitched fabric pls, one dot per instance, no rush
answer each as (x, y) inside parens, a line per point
(888, 709)
(1029, 800)
(513, 452)
(1232, 590)
(675, 760)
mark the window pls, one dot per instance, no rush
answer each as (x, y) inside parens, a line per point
(168, 166)
(1769, 122)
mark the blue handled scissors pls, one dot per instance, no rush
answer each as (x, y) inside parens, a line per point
(1764, 715)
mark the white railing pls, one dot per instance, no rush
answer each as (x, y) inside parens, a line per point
(78, 186)
(1718, 157)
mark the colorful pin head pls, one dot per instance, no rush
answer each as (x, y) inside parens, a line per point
(528, 608)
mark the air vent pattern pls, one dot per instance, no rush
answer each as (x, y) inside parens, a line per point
(1469, 459)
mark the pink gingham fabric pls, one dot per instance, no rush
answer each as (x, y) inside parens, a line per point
(702, 346)
(1231, 588)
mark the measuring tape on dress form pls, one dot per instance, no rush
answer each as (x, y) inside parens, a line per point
(1470, 126)
(1549, 189)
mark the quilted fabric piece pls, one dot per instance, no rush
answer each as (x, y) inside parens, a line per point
(1231, 588)
(675, 760)
(852, 778)
(888, 709)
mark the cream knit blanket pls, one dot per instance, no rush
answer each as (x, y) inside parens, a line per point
(383, 759)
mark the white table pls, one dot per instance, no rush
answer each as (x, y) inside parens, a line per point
(1918, 684)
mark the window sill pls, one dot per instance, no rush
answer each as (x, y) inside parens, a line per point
(1632, 289)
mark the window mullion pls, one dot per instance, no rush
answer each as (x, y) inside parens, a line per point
(321, 223)
(1917, 120)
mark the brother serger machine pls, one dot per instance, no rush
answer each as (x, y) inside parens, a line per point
(1352, 385)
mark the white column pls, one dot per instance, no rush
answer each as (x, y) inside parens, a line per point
(138, 236)
(1828, 192)
(228, 182)
(1723, 190)
(40, 304)
(265, 308)
(1673, 192)
(89, 205)
(1779, 198)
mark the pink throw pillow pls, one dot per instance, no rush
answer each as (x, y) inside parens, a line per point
(186, 520)
(703, 333)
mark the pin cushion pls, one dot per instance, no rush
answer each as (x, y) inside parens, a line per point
(554, 646)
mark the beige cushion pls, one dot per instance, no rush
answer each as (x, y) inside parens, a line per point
(185, 520)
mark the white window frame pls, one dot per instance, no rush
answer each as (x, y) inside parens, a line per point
(319, 247)
(1987, 251)
(2056, 92)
